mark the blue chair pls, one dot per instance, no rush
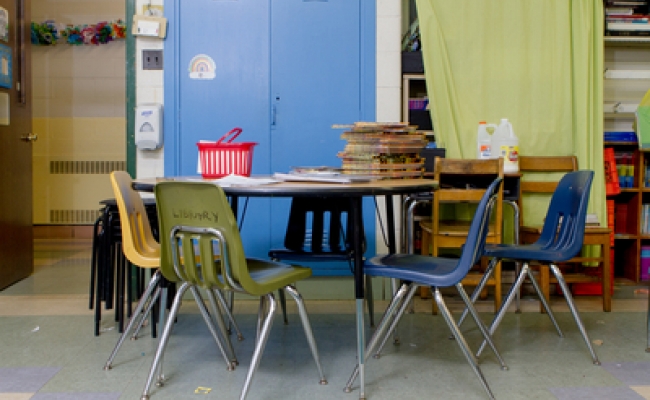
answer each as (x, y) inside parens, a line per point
(561, 240)
(436, 272)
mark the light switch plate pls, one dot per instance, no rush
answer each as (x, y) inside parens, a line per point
(152, 59)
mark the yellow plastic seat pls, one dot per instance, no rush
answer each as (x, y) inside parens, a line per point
(139, 246)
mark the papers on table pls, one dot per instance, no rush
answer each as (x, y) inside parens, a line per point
(236, 180)
(327, 178)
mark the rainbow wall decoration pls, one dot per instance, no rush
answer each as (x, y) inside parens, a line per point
(202, 67)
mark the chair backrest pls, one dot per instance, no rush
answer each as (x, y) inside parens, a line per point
(474, 246)
(138, 243)
(564, 225)
(466, 181)
(199, 237)
(319, 226)
(532, 167)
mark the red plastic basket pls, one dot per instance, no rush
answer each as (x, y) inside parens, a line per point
(219, 159)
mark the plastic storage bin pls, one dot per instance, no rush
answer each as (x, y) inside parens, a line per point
(219, 159)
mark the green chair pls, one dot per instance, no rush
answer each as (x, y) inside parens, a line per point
(201, 247)
(141, 248)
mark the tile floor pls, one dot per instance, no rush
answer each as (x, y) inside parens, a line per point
(48, 350)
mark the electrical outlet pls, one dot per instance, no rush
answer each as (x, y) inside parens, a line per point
(152, 59)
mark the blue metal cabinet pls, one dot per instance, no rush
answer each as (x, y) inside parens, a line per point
(284, 71)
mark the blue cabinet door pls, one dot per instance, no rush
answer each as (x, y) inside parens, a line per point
(316, 65)
(284, 71)
(234, 36)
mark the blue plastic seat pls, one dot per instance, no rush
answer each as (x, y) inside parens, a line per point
(436, 272)
(561, 240)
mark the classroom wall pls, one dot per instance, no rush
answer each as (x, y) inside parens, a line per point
(78, 114)
(389, 28)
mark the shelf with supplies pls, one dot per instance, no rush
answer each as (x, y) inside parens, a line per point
(627, 18)
(631, 208)
(626, 79)
(415, 102)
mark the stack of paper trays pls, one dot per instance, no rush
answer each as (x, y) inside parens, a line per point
(387, 150)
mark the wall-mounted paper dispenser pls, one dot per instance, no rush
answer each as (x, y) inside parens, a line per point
(148, 126)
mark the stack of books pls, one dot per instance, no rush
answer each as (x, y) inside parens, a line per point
(386, 150)
(627, 17)
(625, 162)
(645, 218)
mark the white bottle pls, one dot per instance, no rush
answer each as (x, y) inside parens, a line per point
(484, 140)
(505, 144)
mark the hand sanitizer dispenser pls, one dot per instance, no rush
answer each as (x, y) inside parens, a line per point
(148, 126)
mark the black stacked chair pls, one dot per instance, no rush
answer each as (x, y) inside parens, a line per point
(319, 230)
(111, 273)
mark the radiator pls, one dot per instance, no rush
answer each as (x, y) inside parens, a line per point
(68, 192)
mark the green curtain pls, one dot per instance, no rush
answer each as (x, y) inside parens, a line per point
(538, 63)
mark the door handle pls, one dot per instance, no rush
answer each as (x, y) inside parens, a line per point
(30, 137)
(274, 112)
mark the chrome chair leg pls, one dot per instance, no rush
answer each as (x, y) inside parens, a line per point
(504, 306)
(477, 290)
(542, 299)
(208, 321)
(394, 286)
(261, 311)
(228, 311)
(406, 302)
(481, 325)
(461, 340)
(163, 320)
(146, 296)
(308, 331)
(164, 338)
(218, 319)
(525, 272)
(147, 312)
(283, 305)
(265, 327)
(574, 310)
(230, 300)
(381, 331)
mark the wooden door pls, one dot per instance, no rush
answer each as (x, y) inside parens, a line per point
(16, 237)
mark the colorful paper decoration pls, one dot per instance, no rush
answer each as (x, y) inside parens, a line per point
(49, 34)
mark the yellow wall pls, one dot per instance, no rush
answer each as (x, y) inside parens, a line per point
(79, 101)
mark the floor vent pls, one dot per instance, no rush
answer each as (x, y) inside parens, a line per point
(73, 216)
(86, 167)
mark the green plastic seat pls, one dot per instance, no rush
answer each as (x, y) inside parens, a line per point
(201, 247)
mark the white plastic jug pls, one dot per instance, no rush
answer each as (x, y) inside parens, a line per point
(505, 144)
(484, 140)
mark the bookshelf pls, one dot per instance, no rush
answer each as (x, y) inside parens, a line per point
(627, 19)
(626, 80)
(632, 214)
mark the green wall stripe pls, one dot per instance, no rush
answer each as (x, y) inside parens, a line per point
(130, 90)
